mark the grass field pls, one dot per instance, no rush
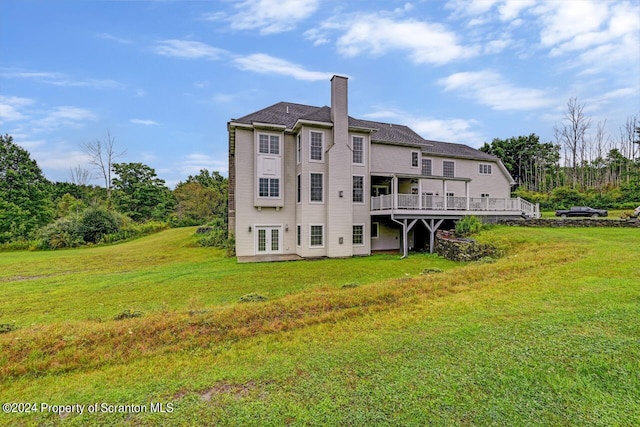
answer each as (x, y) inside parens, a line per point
(547, 335)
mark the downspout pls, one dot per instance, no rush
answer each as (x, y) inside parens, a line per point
(404, 235)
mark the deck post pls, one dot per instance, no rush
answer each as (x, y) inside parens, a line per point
(432, 231)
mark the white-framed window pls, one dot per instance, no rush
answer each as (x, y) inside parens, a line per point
(375, 230)
(448, 168)
(269, 144)
(316, 190)
(357, 143)
(358, 235)
(358, 189)
(269, 187)
(299, 188)
(427, 167)
(299, 149)
(415, 157)
(316, 236)
(484, 169)
(298, 235)
(316, 146)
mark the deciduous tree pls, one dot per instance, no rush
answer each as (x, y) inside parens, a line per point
(25, 202)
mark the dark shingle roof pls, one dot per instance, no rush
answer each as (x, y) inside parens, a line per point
(287, 114)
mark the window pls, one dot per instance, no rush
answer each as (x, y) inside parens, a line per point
(358, 234)
(426, 167)
(448, 168)
(414, 159)
(316, 193)
(375, 229)
(316, 236)
(484, 169)
(269, 144)
(358, 150)
(299, 149)
(298, 235)
(269, 187)
(316, 146)
(358, 189)
(299, 189)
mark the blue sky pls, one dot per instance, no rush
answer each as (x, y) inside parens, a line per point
(165, 77)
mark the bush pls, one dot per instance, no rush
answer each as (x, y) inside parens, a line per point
(62, 233)
(252, 298)
(96, 222)
(216, 235)
(7, 327)
(468, 225)
(127, 314)
(132, 229)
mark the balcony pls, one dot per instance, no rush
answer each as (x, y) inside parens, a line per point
(452, 206)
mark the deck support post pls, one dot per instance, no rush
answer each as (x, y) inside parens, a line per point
(432, 226)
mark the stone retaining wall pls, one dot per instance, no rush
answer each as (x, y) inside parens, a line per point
(456, 249)
(572, 222)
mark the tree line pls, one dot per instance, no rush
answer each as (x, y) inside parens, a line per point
(583, 165)
(134, 200)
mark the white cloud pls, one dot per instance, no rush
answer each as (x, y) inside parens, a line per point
(144, 122)
(11, 108)
(110, 37)
(270, 16)
(64, 80)
(195, 162)
(65, 116)
(188, 49)
(460, 131)
(378, 34)
(490, 88)
(266, 64)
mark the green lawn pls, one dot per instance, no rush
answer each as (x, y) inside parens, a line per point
(547, 335)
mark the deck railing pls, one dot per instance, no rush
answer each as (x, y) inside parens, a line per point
(442, 203)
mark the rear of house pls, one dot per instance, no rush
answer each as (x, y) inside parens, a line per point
(310, 182)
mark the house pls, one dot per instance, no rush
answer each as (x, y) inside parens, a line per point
(307, 182)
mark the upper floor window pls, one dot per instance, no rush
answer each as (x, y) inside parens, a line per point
(269, 144)
(484, 169)
(316, 149)
(358, 150)
(414, 159)
(358, 189)
(316, 184)
(299, 189)
(269, 187)
(299, 149)
(426, 167)
(448, 168)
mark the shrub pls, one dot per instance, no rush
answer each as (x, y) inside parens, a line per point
(96, 222)
(468, 225)
(432, 270)
(62, 233)
(253, 298)
(127, 314)
(7, 327)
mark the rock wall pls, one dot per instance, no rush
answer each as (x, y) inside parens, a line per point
(453, 248)
(572, 222)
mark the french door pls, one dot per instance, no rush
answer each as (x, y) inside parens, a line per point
(268, 240)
